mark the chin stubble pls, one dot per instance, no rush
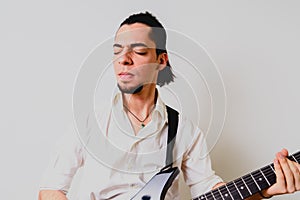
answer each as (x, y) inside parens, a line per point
(134, 90)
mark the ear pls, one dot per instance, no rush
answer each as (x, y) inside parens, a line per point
(163, 60)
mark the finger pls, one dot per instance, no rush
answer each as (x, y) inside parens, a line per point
(296, 172)
(298, 167)
(284, 152)
(279, 174)
(287, 172)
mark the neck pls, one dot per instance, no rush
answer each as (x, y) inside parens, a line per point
(141, 102)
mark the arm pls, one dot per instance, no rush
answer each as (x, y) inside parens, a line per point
(64, 163)
(196, 167)
(52, 195)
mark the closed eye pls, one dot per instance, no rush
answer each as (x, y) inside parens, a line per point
(117, 50)
(140, 50)
(140, 53)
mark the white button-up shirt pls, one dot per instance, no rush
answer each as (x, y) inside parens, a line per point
(116, 163)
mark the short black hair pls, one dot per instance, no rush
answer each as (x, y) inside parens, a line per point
(159, 36)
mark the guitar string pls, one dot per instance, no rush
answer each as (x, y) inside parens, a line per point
(230, 185)
(267, 172)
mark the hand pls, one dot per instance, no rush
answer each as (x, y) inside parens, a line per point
(287, 176)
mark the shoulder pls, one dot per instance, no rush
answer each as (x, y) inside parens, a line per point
(187, 131)
(185, 126)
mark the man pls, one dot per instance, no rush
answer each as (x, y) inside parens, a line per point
(137, 124)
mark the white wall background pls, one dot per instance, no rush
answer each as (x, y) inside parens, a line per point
(255, 45)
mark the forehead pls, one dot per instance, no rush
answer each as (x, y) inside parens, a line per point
(134, 33)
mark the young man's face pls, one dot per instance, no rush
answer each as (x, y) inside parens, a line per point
(135, 60)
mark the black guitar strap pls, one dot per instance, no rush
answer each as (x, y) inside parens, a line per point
(172, 131)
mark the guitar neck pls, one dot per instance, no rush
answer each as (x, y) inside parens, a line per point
(247, 185)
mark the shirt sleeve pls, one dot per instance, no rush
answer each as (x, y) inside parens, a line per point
(65, 161)
(196, 167)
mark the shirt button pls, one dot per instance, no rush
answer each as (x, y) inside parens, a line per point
(130, 166)
(133, 185)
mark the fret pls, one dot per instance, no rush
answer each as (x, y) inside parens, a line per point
(269, 184)
(255, 182)
(206, 197)
(297, 156)
(244, 191)
(250, 183)
(238, 190)
(246, 186)
(272, 167)
(202, 197)
(229, 191)
(216, 194)
(232, 189)
(220, 193)
(210, 196)
(295, 159)
(269, 174)
(225, 193)
(260, 180)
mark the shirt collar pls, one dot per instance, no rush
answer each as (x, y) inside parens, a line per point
(160, 107)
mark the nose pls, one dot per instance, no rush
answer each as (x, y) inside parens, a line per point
(125, 58)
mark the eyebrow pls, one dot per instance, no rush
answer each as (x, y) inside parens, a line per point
(131, 45)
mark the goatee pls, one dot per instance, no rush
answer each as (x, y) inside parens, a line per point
(131, 90)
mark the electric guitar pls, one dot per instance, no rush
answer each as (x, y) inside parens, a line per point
(237, 189)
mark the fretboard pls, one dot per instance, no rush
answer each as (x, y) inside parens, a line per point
(247, 185)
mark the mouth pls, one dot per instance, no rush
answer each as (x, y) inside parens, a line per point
(125, 76)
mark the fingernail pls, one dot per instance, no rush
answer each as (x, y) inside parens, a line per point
(281, 156)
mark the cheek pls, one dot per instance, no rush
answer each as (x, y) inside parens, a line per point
(115, 68)
(149, 72)
(116, 65)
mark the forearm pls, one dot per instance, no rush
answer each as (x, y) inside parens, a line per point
(52, 195)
